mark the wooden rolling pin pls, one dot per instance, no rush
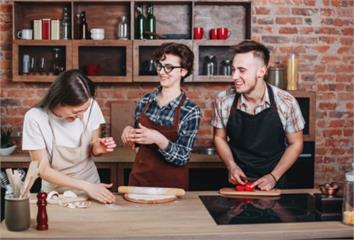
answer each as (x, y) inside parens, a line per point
(152, 190)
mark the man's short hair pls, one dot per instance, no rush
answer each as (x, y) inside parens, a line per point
(258, 49)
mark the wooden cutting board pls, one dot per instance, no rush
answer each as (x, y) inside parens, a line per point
(122, 115)
(233, 192)
(146, 198)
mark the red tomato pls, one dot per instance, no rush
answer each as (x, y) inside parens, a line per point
(239, 187)
(247, 187)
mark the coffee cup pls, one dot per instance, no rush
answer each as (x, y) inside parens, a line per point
(198, 33)
(92, 69)
(213, 33)
(99, 31)
(17, 214)
(25, 34)
(223, 33)
(95, 36)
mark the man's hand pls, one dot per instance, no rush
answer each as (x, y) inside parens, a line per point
(265, 183)
(237, 176)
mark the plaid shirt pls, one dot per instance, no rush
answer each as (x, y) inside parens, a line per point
(177, 152)
(287, 106)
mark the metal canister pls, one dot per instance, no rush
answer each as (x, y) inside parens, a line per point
(276, 76)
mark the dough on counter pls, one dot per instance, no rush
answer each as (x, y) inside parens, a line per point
(149, 198)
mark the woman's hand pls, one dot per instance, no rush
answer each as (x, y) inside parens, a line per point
(237, 176)
(144, 135)
(103, 145)
(100, 192)
(126, 137)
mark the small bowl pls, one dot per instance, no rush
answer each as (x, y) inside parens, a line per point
(329, 189)
(7, 151)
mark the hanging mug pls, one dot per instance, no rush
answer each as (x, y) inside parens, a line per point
(223, 33)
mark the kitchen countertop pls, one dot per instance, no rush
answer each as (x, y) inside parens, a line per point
(120, 155)
(186, 218)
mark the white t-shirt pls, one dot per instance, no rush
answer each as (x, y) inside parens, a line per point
(38, 135)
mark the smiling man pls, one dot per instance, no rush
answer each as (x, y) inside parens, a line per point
(257, 127)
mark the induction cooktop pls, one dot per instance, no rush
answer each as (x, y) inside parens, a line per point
(281, 209)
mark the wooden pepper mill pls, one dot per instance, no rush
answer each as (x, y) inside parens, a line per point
(42, 218)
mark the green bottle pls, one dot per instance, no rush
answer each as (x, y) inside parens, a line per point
(139, 22)
(150, 24)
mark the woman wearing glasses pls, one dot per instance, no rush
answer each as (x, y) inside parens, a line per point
(166, 123)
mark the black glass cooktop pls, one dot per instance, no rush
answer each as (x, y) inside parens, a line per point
(247, 210)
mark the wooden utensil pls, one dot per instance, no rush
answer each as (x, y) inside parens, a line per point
(152, 190)
(32, 175)
(233, 192)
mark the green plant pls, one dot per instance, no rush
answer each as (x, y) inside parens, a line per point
(5, 138)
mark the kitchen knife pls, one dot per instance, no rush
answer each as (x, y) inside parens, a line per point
(152, 190)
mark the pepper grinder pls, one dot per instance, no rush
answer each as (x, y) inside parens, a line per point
(42, 217)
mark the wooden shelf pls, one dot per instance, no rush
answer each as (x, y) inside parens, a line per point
(104, 14)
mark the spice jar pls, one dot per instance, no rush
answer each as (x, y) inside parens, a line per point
(348, 201)
(276, 76)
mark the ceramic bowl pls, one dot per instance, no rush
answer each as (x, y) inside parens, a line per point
(7, 151)
(329, 189)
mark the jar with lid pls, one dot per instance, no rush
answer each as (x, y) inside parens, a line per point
(226, 68)
(210, 65)
(123, 28)
(348, 201)
(276, 76)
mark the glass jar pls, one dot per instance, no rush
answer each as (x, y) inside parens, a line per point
(56, 66)
(276, 76)
(348, 201)
(123, 28)
(292, 72)
(210, 68)
(226, 68)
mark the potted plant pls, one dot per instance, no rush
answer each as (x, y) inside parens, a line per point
(6, 147)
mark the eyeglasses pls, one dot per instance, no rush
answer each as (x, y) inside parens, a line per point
(167, 67)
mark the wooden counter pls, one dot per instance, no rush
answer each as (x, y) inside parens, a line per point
(120, 155)
(187, 218)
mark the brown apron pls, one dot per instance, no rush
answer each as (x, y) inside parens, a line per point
(150, 168)
(75, 162)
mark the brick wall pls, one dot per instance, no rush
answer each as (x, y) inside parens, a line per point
(320, 32)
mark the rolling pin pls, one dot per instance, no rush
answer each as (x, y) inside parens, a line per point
(152, 190)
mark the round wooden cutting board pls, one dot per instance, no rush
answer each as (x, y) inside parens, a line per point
(146, 198)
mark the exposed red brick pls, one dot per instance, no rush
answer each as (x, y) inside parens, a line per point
(289, 20)
(262, 10)
(288, 30)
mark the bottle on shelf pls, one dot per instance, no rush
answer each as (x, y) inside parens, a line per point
(77, 26)
(65, 28)
(139, 23)
(57, 66)
(84, 34)
(150, 23)
(210, 65)
(123, 28)
(292, 72)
